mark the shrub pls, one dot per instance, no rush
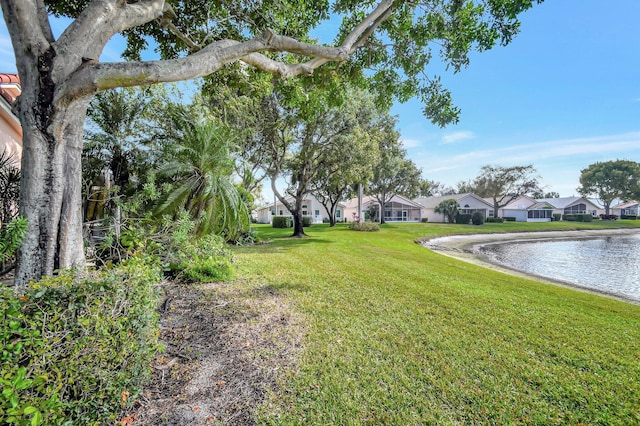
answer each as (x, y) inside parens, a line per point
(585, 218)
(282, 222)
(306, 221)
(77, 350)
(609, 216)
(557, 217)
(424, 220)
(626, 216)
(463, 219)
(509, 219)
(203, 260)
(477, 218)
(364, 226)
(494, 220)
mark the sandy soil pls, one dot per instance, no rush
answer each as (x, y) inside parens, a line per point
(466, 247)
(224, 347)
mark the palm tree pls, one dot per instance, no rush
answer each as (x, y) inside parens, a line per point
(449, 208)
(200, 168)
(9, 187)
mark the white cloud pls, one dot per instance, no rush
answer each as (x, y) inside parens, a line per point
(457, 136)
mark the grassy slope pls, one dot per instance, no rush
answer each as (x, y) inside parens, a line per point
(397, 334)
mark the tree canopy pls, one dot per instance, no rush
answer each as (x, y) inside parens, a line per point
(609, 180)
(393, 40)
(505, 184)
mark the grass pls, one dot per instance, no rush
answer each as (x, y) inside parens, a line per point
(396, 334)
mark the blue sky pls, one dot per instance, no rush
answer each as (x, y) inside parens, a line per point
(564, 94)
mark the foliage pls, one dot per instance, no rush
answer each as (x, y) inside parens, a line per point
(609, 180)
(200, 167)
(477, 218)
(306, 221)
(463, 218)
(424, 220)
(282, 222)
(11, 235)
(580, 217)
(364, 226)
(505, 184)
(9, 187)
(557, 217)
(202, 260)
(77, 349)
(509, 219)
(449, 208)
(494, 220)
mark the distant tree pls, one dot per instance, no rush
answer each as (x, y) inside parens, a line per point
(505, 184)
(394, 174)
(432, 188)
(465, 187)
(449, 208)
(610, 180)
(540, 194)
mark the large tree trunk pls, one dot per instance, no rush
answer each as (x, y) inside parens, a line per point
(298, 229)
(51, 199)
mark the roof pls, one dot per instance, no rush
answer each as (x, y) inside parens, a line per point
(432, 202)
(10, 87)
(369, 199)
(626, 204)
(564, 202)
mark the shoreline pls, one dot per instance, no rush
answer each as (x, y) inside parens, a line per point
(466, 248)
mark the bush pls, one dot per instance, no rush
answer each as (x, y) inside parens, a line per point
(609, 216)
(364, 226)
(557, 217)
(585, 218)
(626, 216)
(463, 219)
(509, 219)
(306, 221)
(282, 222)
(77, 350)
(204, 260)
(424, 220)
(477, 218)
(494, 220)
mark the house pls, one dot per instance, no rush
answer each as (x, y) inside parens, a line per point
(527, 209)
(626, 209)
(398, 209)
(10, 129)
(469, 203)
(310, 207)
(573, 205)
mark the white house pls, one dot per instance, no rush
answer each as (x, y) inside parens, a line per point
(469, 203)
(310, 207)
(573, 205)
(526, 209)
(628, 208)
(398, 209)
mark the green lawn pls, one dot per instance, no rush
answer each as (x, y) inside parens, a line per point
(396, 334)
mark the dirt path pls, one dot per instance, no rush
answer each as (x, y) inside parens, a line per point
(225, 344)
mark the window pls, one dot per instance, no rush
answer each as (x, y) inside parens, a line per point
(281, 213)
(304, 206)
(540, 214)
(577, 209)
(337, 213)
(273, 212)
(304, 212)
(317, 213)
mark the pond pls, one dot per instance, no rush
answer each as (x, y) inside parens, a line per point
(608, 264)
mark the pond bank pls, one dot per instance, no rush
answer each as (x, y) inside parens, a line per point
(467, 248)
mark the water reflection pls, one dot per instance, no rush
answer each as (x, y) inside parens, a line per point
(610, 264)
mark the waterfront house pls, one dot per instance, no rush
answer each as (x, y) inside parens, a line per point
(310, 207)
(398, 209)
(527, 209)
(626, 209)
(468, 203)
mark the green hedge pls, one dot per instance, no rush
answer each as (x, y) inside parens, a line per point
(77, 350)
(581, 217)
(463, 219)
(509, 219)
(424, 220)
(494, 220)
(306, 221)
(557, 217)
(282, 222)
(626, 216)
